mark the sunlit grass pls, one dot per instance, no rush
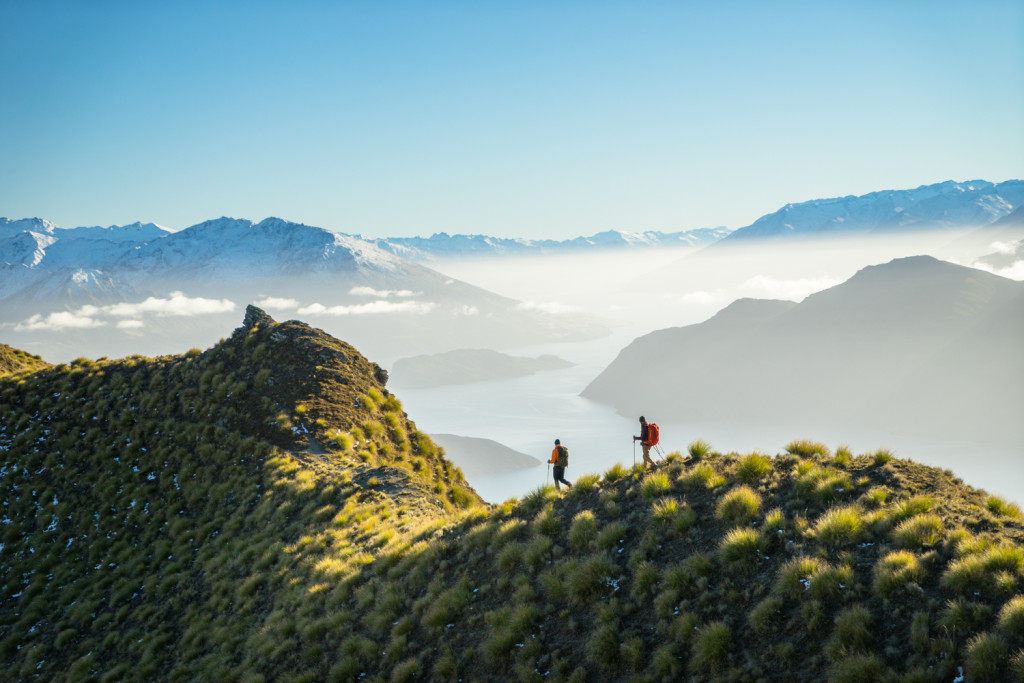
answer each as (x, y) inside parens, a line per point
(739, 506)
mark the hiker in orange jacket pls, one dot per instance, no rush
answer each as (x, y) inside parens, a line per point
(645, 441)
(560, 459)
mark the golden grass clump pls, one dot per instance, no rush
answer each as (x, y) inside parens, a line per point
(807, 448)
(840, 526)
(739, 506)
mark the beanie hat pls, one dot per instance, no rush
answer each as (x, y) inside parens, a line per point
(557, 442)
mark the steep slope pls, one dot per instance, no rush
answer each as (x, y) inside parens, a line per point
(174, 519)
(858, 344)
(147, 498)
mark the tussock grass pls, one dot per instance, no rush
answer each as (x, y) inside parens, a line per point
(915, 505)
(881, 456)
(615, 473)
(775, 521)
(739, 506)
(1011, 618)
(807, 448)
(742, 546)
(766, 615)
(824, 484)
(998, 506)
(843, 457)
(702, 476)
(986, 655)
(583, 485)
(858, 668)
(752, 467)
(584, 529)
(699, 450)
(711, 647)
(840, 526)
(985, 571)
(923, 530)
(853, 632)
(897, 569)
(961, 616)
(666, 510)
(655, 484)
(875, 497)
(794, 577)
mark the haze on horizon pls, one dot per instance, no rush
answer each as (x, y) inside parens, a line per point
(526, 120)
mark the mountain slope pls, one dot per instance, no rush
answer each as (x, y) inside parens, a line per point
(264, 511)
(858, 344)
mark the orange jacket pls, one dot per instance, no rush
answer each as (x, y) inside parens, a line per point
(554, 456)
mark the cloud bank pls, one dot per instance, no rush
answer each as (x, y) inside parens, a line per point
(177, 304)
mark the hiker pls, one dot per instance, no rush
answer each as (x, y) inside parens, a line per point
(560, 459)
(645, 442)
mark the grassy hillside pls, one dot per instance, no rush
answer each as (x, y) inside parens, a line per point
(15, 360)
(264, 510)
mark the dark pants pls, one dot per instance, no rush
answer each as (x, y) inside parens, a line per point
(560, 476)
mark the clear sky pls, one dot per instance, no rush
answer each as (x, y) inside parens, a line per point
(526, 118)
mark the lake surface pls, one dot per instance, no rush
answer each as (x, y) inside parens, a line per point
(529, 413)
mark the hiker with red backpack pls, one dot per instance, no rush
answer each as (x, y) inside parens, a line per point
(649, 437)
(560, 459)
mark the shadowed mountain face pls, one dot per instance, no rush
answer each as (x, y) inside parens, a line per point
(476, 456)
(917, 346)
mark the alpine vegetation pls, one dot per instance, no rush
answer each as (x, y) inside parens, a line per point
(265, 510)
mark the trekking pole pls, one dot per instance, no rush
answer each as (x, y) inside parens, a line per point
(547, 478)
(634, 452)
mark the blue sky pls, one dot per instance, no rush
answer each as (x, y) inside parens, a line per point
(532, 119)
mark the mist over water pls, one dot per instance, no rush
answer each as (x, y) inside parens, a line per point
(645, 291)
(529, 413)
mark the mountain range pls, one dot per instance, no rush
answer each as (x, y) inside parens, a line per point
(169, 284)
(914, 346)
(942, 206)
(442, 245)
(143, 288)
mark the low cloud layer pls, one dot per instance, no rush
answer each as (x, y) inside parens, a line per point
(275, 303)
(550, 307)
(371, 308)
(131, 314)
(383, 293)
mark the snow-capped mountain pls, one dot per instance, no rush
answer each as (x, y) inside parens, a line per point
(442, 245)
(134, 232)
(946, 205)
(165, 282)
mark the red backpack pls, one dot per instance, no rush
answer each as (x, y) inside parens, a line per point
(653, 434)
